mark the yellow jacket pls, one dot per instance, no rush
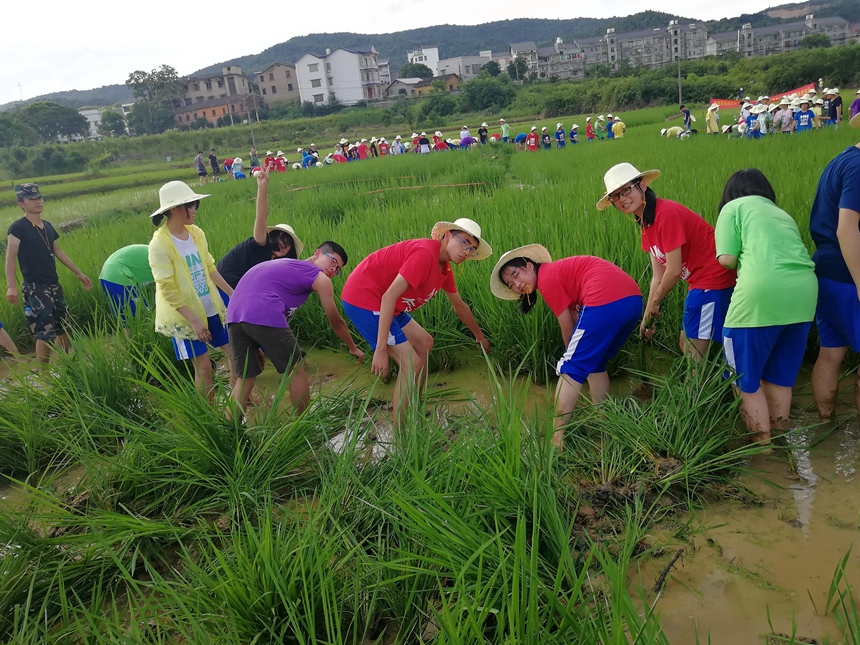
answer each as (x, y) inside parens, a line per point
(173, 285)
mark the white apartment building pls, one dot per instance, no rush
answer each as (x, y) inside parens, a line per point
(93, 115)
(466, 67)
(350, 75)
(425, 56)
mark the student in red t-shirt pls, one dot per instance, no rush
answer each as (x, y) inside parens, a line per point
(391, 283)
(269, 160)
(280, 163)
(532, 140)
(361, 148)
(383, 147)
(681, 245)
(597, 306)
(589, 129)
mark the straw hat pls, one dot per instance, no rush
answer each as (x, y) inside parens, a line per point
(609, 116)
(858, 91)
(663, 132)
(772, 107)
(484, 125)
(575, 126)
(601, 118)
(785, 101)
(268, 153)
(286, 228)
(543, 129)
(819, 101)
(173, 194)
(726, 128)
(502, 120)
(465, 127)
(834, 90)
(423, 134)
(343, 141)
(713, 107)
(299, 149)
(855, 121)
(804, 100)
(534, 127)
(469, 226)
(280, 153)
(558, 125)
(373, 139)
(398, 138)
(534, 252)
(621, 174)
(438, 133)
(414, 135)
(237, 160)
(587, 119)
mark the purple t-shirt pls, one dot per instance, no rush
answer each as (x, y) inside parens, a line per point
(854, 108)
(271, 292)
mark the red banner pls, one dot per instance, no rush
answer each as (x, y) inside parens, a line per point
(730, 103)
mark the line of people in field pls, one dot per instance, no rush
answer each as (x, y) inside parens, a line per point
(751, 287)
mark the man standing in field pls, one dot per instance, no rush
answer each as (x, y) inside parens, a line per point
(506, 131)
(201, 168)
(835, 227)
(32, 241)
(216, 167)
(688, 118)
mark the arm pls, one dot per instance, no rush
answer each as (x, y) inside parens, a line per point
(846, 232)
(464, 313)
(567, 323)
(322, 285)
(262, 213)
(657, 271)
(386, 315)
(670, 277)
(727, 261)
(12, 244)
(221, 283)
(201, 330)
(62, 257)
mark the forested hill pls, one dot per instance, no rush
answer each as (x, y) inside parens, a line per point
(452, 40)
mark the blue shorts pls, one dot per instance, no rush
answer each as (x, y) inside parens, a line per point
(838, 314)
(600, 332)
(225, 298)
(239, 175)
(185, 349)
(367, 324)
(121, 297)
(771, 354)
(704, 313)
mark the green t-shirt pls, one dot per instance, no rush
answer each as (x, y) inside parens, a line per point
(506, 130)
(776, 278)
(129, 266)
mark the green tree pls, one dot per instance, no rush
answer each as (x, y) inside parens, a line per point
(15, 132)
(518, 68)
(488, 93)
(155, 92)
(415, 70)
(52, 120)
(146, 119)
(112, 124)
(814, 41)
(491, 69)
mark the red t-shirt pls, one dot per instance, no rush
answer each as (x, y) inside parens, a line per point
(589, 131)
(677, 226)
(280, 164)
(362, 151)
(583, 281)
(383, 149)
(269, 162)
(532, 141)
(415, 260)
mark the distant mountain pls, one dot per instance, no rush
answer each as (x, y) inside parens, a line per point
(456, 40)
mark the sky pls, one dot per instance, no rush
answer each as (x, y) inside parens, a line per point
(74, 46)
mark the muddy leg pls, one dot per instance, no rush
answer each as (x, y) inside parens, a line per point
(756, 415)
(778, 404)
(825, 380)
(406, 358)
(566, 397)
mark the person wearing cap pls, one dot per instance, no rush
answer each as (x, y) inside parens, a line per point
(269, 161)
(397, 145)
(253, 160)
(834, 112)
(279, 163)
(216, 167)
(854, 108)
(712, 119)
(560, 136)
(393, 282)
(833, 224)
(610, 120)
(383, 147)
(589, 129)
(188, 308)
(32, 243)
(122, 276)
(618, 128)
(464, 132)
(238, 168)
(783, 118)
(681, 246)
(201, 168)
(804, 117)
(532, 140)
(773, 304)
(482, 133)
(266, 242)
(597, 306)
(505, 131)
(260, 312)
(574, 134)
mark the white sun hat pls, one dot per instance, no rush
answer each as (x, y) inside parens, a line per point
(280, 153)
(858, 91)
(502, 120)
(414, 134)
(543, 128)
(855, 121)
(621, 174)
(609, 116)
(534, 127)
(601, 118)
(726, 128)
(587, 119)
(299, 149)
(423, 134)
(268, 153)
(465, 127)
(712, 107)
(785, 101)
(297, 166)
(466, 225)
(173, 194)
(286, 228)
(438, 133)
(819, 101)
(484, 125)
(575, 126)
(237, 160)
(363, 141)
(834, 90)
(772, 107)
(373, 139)
(343, 141)
(558, 125)
(398, 138)
(663, 131)
(533, 252)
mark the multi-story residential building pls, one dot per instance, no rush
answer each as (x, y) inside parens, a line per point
(465, 67)
(528, 51)
(503, 58)
(762, 41)
(425, 56)
(228, 108)
(278, 83)
(448, 82)
(384, 71)
(402, 87)
(348, 75)
(199, 89)
(93, 115)
(560, 62)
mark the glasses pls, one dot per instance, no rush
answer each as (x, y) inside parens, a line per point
(195, 204)
(473, 251)
(334, 264)
(614, 197)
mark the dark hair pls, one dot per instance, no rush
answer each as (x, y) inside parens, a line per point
(745, 183)
(526, 301)
(199, 152)
(157, 219)
(650, 210)
(276, 237)
(682, 106)
(333, 247)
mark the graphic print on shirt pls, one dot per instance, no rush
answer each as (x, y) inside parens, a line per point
(198, 274)
(411, 304)
(658, 255)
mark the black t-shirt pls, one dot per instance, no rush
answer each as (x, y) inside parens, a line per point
(239, 260)
(423, 141)
(213, 161)
(36, 253)
(482, 134)
(834, 103)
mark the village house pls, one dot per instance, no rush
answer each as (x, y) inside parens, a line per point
(347, 75)
(278, 83)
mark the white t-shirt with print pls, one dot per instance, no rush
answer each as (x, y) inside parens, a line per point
(188, 250)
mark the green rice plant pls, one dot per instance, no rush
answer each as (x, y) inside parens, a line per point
(842, 603)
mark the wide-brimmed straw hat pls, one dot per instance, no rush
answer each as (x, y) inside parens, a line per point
(558, 125)
(237, 159)
(466, 225)
(534, 252)
(398, 138)
(534, 127)
(663, 131)
(280, 153)
(484, 125)
(785, 101)
(726, 128)
(855, 121)
(173, 194)
(286, 228)
(575, 126)
(438, 133)
(268, 153)
(588, 118)
(621, 174)
(502, 120)
(343, 141)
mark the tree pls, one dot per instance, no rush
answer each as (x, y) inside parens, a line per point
(52, 120)
(155, 92)
(488, 93)
(415, 70)
(491, 69)
(146, 119)
(518, 68)
(814, 41)
(15, 132)
(112, 124)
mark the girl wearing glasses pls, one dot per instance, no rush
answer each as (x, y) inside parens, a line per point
(681, 245)
(391, 283)
(188, 308)
(597, 306)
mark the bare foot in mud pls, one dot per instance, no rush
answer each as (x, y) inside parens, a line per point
(558, 440)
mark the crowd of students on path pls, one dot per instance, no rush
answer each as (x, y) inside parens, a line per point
(751, 286)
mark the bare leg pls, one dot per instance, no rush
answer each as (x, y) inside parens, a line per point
(825, 380)
(300, 389)
(203, 378)
(226, 350)
(567, 394)
(43, 351)
(406, 358)
(756, 415)
(695, 348)
(598, 386)
(422, 343)
(7, 343)
(242, 394)
(64, 342)
(778, 404)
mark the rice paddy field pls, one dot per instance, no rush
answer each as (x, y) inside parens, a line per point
(135, 513)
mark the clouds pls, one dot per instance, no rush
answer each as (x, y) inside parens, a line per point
(76, 46)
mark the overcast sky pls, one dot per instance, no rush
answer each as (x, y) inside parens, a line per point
(82, 46)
